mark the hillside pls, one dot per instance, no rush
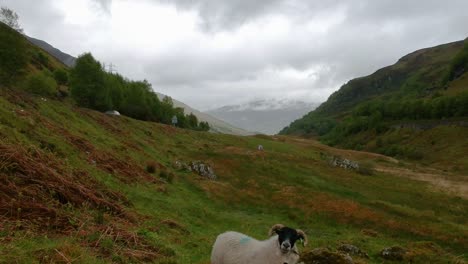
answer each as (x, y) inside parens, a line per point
(217, 125)
(80, 186)
(264, 116)
(58, 54)
(406, 110)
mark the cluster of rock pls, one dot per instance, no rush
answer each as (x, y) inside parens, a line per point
(198, 167)
(347, 164)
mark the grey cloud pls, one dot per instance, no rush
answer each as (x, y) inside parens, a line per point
(104, 5)
(369, 35)
(220, 14)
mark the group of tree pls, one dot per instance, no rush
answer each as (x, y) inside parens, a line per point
(13, 54)
(92, 87)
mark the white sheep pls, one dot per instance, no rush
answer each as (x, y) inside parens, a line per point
(236, 248)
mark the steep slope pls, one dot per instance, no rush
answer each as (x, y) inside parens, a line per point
(403, 110)
(58, 54)
(265, 116)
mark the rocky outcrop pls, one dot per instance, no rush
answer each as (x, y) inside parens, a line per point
(347, 164)
(198, 167)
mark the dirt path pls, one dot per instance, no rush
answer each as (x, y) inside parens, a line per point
(454, 184)
(438, 180)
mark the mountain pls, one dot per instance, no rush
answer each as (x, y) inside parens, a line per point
(398, 109)
(264, 116)
(58, 54)
(216, 125)
(81, 186)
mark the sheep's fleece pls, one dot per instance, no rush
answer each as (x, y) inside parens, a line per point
(236, 248)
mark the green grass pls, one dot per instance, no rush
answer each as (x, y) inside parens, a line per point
(290, 182)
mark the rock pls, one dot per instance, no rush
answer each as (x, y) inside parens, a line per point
(344, 163)
(197, 167)
(179, 165)
(353, 250)
(325, 256)
(393, 253)
(202, 169)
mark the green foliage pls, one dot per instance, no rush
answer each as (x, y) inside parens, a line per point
(459, 65)
(88, 84)
(42, 59)
(397, 92)
(94, 88)
(13, 55)
(41, 83)
(204, 126)
(61, 76)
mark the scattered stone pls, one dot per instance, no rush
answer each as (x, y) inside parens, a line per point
(325, 256)
(197, 167)
(353, 250)
(347, 164)
(202, 169)
(393, 253)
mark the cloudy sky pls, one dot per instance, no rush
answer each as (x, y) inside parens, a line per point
(210, 53)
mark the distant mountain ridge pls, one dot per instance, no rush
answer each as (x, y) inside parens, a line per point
(264, 116)
(216, 125)
(58, 54)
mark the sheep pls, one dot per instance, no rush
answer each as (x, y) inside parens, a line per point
(236, 248)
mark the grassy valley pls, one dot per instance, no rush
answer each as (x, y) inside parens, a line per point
(80, 186)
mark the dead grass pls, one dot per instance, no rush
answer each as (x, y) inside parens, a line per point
(35, 187)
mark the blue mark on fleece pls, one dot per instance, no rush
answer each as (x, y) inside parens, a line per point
(245, 240)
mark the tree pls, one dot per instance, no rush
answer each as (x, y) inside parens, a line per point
(10, 18)
(204, 126)
(87, 84)
(13, 55)
(61, 76)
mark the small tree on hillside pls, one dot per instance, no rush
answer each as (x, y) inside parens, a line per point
(88, 84)
(10, 18)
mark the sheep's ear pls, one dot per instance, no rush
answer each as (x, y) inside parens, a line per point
(303, 237)
(274, 229)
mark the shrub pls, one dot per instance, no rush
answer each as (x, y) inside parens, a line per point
(43, 59)
(151, 167)
(41, 83)
(61, 76)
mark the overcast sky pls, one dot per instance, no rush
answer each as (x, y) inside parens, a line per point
(210, 53)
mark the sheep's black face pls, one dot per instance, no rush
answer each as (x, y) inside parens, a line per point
(287, 237)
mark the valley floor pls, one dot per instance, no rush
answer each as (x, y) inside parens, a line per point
(79, 186)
